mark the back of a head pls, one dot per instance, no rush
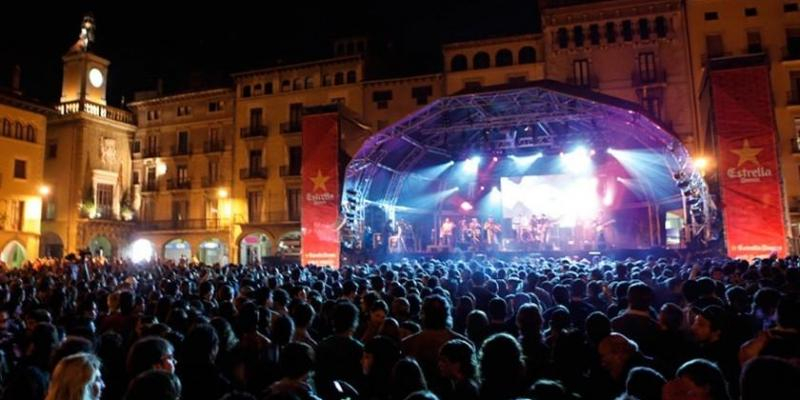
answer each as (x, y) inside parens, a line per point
(598, 326)
(545, 389)
(789, 313)
(127, 300)
(435, 312)
(640, 296)
(644, 383)
(407, 378)
(706, 374)
(152, 385)
(618, 344)
(769, 378)
(282, 330)
(345, 316)
(671, 316)
(297, 359)
(578, 288)
(501, 358)
(72, 345)
(422, 395)
(302, 315)
(145, 353)
(71, 377)
(497, 309)
(460, 352)
(200, 345)
(529, 320)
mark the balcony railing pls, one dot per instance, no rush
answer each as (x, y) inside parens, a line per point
(150, 152)
(590, 82)
(179, 184)
(150, 187)
(287, 171)
(180, 224)
(98, 110)
(181, 150)
(707, 57)
(249, 132)
(210, 181)
(269, 217)
(790, 53)
(792, 98)
(253, 173)
(213, 146)
(645, 78)
(291, 127)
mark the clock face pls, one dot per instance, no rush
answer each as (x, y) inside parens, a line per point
(95, 77)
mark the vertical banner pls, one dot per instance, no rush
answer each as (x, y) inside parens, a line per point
(750, 182)
(320, 190)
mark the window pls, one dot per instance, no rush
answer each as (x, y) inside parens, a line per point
(184, 111)
(653, 106)
(136, 146)
(135, 178)
(647, 67)
(527, 55)
(714, 46)
(268, 88)
(298, 84)
(20, 169)
(213, 171)
(458, 63)
(627, 30)
(153, 115)
(295, 160)
(351, 76)
(611, 33)
(254, 160)
(309, 82)
(754, 42)
(246, 91)
(481, 60)
(661, 27)
(296, 117)
(254, 206)
(563, 38)
(503, 58)
(6, 127)
(256, 117)
(257, 90)
(421, 94)
(182, 174)
(594, 34)
(338, 78)
(577, 33)
(183, 142)
(327, 80)
(49, 210)
(286, 85)
(105, 199)
(790, 7)
(644, 29)
(517, 79)
(151, 181)
(750, 12)
(52, 150)
(293, 204)
(180, 210)
(793, 43)
(215, 106)
(711, 16)
(382, 98)
(580, 72)
(30, 133)
(17, 215)
(152, 145)
(18, 130)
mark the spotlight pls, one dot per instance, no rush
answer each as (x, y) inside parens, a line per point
(701, 163)
(577, 161)
(466, 206)
(494, 159)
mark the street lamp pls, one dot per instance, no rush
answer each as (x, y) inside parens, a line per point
(222, 193)
(44, 190)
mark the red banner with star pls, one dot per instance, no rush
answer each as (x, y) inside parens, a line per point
(320, 190)
(750, 183)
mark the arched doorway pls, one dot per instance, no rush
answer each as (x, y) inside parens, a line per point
(213, 251)
(51, 245)
(13, 254)
(100, 246)
(178, 249)
(254, 247)
(289, 244)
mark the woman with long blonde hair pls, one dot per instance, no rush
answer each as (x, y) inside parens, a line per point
(76, 377)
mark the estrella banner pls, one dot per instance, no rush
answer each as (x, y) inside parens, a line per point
(320, 190)
(748, 168)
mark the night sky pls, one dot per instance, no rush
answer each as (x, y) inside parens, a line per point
(196, 45)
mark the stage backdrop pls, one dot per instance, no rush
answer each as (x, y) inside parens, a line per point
(750, 183)
(320, 190)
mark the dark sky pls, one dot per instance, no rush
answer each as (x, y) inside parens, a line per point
(193, 44)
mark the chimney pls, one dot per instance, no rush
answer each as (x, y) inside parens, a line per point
(16, 78)
(160, 86)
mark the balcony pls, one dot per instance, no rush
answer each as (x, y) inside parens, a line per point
(181, 224)
(179, 184)
(269, 217)
(791, 53)
(98, 110)
(180, 150)
(293, 127)
(253, 132)
(793, 98)
(289, 171)
(648, 78)
(253, 173)
(150, 187)
(708, 57)
(151, 152)
(590, 82)
(213, 146)
(211, 182)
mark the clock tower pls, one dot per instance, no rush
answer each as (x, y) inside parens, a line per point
(85, 73)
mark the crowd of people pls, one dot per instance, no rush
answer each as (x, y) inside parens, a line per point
(536, 328)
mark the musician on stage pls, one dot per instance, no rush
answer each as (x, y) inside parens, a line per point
(475, 231)
(492, 230)
(446, 232)
(463, 231)
(388, 231)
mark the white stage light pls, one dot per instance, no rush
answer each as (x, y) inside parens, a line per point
(577, 161)
(141, 250)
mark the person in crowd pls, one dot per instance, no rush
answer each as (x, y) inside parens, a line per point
(296, 365)
(502, 368)
(76, 377)
(339, 355)
(697, 379)
(458, 365)
(154, 384)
